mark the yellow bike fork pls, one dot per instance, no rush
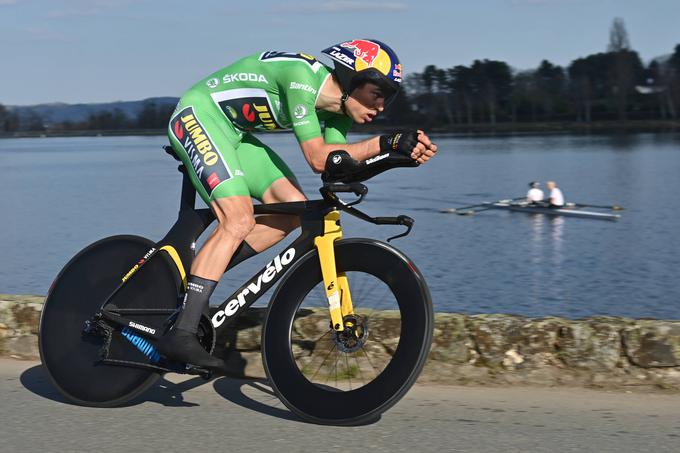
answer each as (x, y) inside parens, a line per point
(336, 285)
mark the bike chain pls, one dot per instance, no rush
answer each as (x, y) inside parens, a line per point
(188, 369)
(102, 329)
(128, 363)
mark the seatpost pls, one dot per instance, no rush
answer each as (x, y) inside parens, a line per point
(188, 199)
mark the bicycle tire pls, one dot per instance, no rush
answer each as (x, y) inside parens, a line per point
(70, 358)
(321, 402)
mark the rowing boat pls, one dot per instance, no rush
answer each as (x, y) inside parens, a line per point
(566, 211)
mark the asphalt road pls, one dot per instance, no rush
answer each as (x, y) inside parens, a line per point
(190, 414)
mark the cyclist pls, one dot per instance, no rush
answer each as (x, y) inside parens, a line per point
(212, 129)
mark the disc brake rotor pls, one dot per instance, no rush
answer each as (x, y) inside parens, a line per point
(354, 335)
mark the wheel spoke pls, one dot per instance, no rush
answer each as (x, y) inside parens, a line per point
(370, 363)
(361, 374)
(369, 294)
(321, 337)
(334, 346)
(336, 368)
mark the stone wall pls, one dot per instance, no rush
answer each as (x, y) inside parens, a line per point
(607, 352)
(19, 319)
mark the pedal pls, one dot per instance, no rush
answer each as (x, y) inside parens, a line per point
(199, 371)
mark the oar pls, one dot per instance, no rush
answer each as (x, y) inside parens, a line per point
(461, 210)
(473, 211)
(583, 205)
(468, 210)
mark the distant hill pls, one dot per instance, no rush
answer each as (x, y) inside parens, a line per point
(61, 112)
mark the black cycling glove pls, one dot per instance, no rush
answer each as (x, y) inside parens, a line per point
(339, 166)
(401, 142)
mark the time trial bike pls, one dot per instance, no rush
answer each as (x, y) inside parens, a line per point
(347, 330)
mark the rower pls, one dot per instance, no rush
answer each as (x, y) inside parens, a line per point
(535, 195)
(556, 199)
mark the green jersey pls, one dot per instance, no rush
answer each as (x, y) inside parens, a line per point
(272, 91)
(211, 129)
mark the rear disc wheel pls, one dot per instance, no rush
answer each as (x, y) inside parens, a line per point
(72, 358)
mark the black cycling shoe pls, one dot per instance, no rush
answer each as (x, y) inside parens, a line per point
(183, 346)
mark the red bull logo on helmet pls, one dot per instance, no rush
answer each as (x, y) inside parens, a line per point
(365, 50)
(369, 54)
(361, 54)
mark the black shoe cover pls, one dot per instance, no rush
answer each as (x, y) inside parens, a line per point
(183, 346)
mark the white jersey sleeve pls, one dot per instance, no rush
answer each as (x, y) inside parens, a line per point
(556, 197)
(535, 194)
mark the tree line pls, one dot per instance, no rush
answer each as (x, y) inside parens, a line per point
(613, 85)
(151, 116)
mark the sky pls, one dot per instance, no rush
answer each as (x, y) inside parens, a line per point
(109, 50)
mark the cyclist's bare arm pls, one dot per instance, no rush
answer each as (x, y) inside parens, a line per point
(316, 150)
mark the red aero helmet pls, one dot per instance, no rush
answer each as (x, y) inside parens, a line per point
(366, 60)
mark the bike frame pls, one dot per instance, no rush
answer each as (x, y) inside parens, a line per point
(320, 223)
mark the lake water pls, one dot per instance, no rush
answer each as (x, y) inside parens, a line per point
(60, 194)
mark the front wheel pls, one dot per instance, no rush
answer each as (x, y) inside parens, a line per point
(349, 377)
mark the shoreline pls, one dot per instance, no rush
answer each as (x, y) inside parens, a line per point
(602, 352)
(461, 130)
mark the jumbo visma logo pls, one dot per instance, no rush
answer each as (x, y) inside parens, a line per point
(201, 151)
(191, 134)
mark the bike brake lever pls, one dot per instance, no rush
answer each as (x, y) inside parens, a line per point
(407, 222)
(330, 190)
(358, 200)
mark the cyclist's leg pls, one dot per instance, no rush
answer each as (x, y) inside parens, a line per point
(206, 143)
(235, 221)
(270, 181)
